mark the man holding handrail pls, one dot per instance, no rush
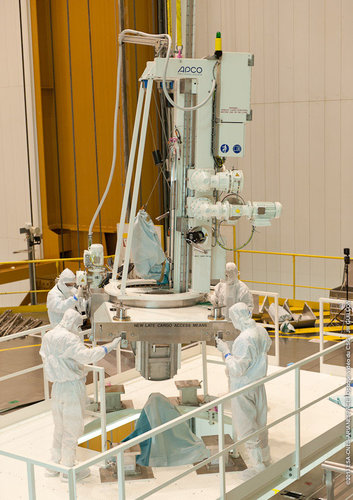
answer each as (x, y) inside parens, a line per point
(64, 353)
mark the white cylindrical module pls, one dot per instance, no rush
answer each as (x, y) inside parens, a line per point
(204, 209)
(229, 181)
(260, 213)
(97, 255)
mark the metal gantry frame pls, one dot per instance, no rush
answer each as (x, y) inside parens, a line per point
(284, 474)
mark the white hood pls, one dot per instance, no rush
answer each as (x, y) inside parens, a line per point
(71, 321)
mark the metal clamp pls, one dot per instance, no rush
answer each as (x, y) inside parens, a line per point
(216, 312)
(121, 313)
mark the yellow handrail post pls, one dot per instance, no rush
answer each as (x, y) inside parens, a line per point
(238, 264)
(293, 256)
(57, 268)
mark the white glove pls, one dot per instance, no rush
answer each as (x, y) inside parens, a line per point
(222, 346)
(113, 345)
(82, 303)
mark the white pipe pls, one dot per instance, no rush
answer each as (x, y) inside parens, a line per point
(321, 331)
(121, 476)
(103, 412)
(222, 476)
(45, 380)
(31, 481)
(297, 422)
(276, 331)
(137, 182)
(204, 370)
(112, 168)
(117, 97)
(164, 86)
(130, 169)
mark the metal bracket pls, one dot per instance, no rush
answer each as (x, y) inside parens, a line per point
(290, 473)
(181, 224)
(249, 116)
(124, 342)
(251, 60)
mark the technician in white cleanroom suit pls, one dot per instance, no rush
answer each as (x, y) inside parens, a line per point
(63, 354)
(231, 291)
(246, 363)
(61, 297)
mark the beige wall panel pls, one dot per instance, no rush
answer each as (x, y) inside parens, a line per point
(201, 41)
(347, 50)
(14, 159)
(256, 12)
(346, 174)
(228, 15)
(272, 180)
(317, 49)
(332, 176)
(286, 50)
(301, 190)
(213, 23)
(286, 155)
(10, 48)
(258, 188)
(317, 198)
(301, 50)
(333, 49)
(270, 51)
(242, 26)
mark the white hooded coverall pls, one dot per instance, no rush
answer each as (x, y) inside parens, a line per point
(60, 298)
(248, 363)
(63, 354)
(231, 291)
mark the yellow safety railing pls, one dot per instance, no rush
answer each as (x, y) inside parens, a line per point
(294, 284)
(57, 262)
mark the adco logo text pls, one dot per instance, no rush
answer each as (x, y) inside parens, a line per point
(190, 69)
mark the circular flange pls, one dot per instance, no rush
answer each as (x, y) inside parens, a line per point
(150, 296)
(215, 319)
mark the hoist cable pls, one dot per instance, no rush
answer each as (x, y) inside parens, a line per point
(56, 130)
(94, 114)
(73, 129)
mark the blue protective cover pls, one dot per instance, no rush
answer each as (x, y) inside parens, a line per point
(142, 425)
(176, 446)
(146, 250)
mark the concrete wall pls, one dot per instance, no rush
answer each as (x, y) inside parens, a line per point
(17, 154)
(298, 147)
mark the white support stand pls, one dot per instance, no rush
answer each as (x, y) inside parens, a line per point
(273, 360)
